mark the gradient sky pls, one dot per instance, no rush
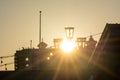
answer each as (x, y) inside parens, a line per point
(19, 20)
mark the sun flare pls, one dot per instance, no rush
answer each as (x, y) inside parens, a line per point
(67, 46)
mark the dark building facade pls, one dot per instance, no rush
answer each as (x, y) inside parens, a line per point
(31, 59)
(55, 62)
(44, 63)
(103, 61)
(106, 59)
(48, 58)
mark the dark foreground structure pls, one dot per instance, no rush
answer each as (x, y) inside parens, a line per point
(102, 64)
(37, 75)
(106, 58)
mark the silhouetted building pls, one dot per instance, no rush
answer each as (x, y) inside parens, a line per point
(51, 63)
(32, 59)
(45, 58)
(106, 59)
(71, 64)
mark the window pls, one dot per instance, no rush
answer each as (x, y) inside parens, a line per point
(26, 59)
(27, 65)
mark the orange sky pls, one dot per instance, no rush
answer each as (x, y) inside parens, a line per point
(19, 20)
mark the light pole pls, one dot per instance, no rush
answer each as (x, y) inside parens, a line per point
(69, 32)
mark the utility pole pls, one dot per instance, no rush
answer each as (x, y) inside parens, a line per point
(40, 29)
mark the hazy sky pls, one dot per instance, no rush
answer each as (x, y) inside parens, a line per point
(19, 20)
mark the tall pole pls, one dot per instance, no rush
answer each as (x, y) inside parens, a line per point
(31, 44)
(40, 29)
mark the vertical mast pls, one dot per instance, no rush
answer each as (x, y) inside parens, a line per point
(30, 44)
(41, 45)
(40, 29)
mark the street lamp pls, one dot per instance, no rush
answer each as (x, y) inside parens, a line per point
(69, 32)
(68, 45)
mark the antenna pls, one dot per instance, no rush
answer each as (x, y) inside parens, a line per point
(31, 44)
(40, 29)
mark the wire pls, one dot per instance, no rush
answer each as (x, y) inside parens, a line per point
(6, 56)
(94, 34)
(7, 64)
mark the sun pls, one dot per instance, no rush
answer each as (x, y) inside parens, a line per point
(68, 46)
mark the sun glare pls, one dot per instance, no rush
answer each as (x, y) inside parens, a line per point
(67, 46)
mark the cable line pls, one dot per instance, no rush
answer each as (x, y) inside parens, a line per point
(7, 56)
(94, 34)
(7, 64)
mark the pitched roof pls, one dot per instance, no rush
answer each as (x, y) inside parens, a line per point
(109, 41)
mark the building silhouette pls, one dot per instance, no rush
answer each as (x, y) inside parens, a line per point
(106, 57)
(42, 63)
(44, 58)
(31, 59)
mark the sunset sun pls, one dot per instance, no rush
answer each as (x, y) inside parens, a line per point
(67, 46)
